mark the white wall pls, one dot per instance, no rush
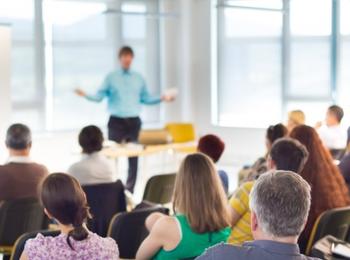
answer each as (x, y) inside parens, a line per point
(5, 75)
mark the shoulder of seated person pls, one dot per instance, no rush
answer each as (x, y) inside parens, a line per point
(163, 225)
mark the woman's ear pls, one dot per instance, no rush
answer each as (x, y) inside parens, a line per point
(48, 214)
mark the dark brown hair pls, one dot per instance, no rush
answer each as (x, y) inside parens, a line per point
(275, 132)
(337, 111)
(199, 195)
(289, 155)
(91, 139)
(328, 188)
(212, 146)
(126, 50)
(63, 198)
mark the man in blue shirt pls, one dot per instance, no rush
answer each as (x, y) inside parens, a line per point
(126, 92)
(280, 203)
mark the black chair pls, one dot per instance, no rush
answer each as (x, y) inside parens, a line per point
(335, 222)
(159, 188)
(337, 154)
(18, 217)
(21, 241)
(128, 230)
(105, 200)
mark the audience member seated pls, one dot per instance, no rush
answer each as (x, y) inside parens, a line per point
(273, 133)
(213, 146)
(332, 134)
(202, 218)
(65, 202)
(295, 118)
(279, 202)
(344, 167)
(94, 167)
(286, 154)
(329, 190)
(20, 176)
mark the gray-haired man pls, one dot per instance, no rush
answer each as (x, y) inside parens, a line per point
(279, 202)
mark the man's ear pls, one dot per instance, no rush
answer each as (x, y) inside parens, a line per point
(253, 221)
(270, 163)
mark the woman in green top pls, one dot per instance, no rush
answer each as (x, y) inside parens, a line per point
(202, 217)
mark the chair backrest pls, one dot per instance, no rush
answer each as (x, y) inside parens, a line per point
(181, 132)
(105, 200)
(159, 188)
(154, 137)
(335, 222)
(21, 241)
(337, 154)
(20, 216)
(128, 230)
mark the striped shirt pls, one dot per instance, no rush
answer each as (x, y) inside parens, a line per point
(241, 232)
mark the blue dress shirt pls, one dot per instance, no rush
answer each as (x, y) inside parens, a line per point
(125, 91)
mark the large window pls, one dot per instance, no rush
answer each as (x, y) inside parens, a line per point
(278, 55)
(59, 45)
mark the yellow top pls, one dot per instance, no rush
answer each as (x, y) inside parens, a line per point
(241, 232)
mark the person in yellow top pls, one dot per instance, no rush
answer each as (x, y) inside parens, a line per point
(286, 154)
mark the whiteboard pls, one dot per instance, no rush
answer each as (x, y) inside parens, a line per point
(5, 76)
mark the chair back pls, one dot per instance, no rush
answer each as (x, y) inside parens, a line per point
(21, 241)
(337, 154)
(159, 188)
(105, 200)
(20, 216)
(181, 132)
(335, 222)
(128, 230)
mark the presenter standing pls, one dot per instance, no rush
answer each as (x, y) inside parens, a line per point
(125, 91)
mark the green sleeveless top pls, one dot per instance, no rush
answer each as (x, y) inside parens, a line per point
(192, 244)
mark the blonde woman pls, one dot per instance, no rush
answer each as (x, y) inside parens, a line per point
(295, 118)
(202, 217)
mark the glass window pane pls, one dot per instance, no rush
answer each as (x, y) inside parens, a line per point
(134, 25)
(310, 48)
(274, 4)
(249, 67)
(83, 54)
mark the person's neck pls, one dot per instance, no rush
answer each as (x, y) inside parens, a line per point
(286, 240)
(65, 229)
(19, 153)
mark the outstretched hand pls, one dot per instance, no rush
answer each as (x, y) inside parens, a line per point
(80, 92)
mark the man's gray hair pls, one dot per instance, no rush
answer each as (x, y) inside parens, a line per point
(18, 137)
(281, 201)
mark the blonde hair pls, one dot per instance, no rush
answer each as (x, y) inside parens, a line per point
(199, 195)
(297, 117)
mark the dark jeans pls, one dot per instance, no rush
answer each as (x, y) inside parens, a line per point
(126, 130)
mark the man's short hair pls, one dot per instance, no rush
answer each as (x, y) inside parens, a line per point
(289, 155)
(337, 111)
(212, 146)
(281, 201)
(91, 139)
(18, 137)
(125, 50)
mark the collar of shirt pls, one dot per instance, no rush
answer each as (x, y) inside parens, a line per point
(19, 159)
(275, 247)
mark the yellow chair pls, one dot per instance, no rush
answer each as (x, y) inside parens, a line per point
(181, 132)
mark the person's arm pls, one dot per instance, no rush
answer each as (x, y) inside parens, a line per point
(101, 93)
(155, 240)
(24, 256)
(147, 99)
(239, 203)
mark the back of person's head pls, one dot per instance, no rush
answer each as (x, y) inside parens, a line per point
(336, 112)
(212, 146)
(275, 132)
(64, 200)
(91, 139)
(18, 137)
(295, 118)
(289, 155)
(281, 202)
(125, 50)
(319, 170)
(199, 195)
